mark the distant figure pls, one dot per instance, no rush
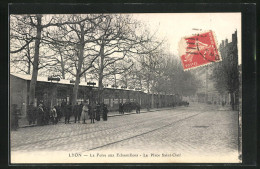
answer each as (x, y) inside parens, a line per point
(91, 113)
(76, 112)
(40, 115)
(84, 113)
(121, 108)
(80, 110)
(67, 113)
(98, 110)
(59, 113)
(223, 103)
(137, 108)
(53, 115)
(105, 112)
(46, 116)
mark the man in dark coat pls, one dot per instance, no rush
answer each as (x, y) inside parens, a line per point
(91, 113)
(105, 111)
(46, 116)
(98, 109)
(67, 113)
(80, 111)
(138, 107)
(76, 112)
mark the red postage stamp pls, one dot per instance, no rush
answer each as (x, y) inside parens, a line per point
(199, 50)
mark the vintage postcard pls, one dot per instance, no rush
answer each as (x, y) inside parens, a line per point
(125, 88)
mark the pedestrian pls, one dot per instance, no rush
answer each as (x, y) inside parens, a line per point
(58, 110)
(67, 113)
(105, 111)
(223, 103)
(53, 115)
(98, 109)
(91, 113)
(40, 115)
(84, 113)
(80, 110)
(76, 112)
(46, 115)
(138, 107)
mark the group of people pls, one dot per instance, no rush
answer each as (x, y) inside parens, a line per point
(41, 115)
(128, 107)
(93, 112)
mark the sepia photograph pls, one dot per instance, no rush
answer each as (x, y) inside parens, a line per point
(125, 88)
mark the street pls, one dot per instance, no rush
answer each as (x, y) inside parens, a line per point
(198, 133)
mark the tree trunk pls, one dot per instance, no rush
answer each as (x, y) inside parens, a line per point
(148, 99)
(85, 74)
(29, 60)
(35, 61)
(75, 90)
(80, 62)
(62, 65)
(100, 76)
(29, 68)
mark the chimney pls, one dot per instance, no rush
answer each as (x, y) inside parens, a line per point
(226, 42)
(234, 37)
(223, 43)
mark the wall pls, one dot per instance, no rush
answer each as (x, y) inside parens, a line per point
(18, 94)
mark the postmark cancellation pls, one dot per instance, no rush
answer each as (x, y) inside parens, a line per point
(199, 50)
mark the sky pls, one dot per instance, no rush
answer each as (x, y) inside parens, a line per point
(174, 26)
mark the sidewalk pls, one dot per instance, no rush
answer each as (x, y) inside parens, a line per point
(24, 122)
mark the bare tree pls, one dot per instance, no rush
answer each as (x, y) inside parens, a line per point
(118, 39)
(21, 44)
(78, 37)
(29, 28)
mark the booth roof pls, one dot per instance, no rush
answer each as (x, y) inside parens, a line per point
(62, 81)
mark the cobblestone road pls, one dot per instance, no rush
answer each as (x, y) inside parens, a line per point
(197, 130)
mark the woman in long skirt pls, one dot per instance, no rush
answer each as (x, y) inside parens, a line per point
(84, 113)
